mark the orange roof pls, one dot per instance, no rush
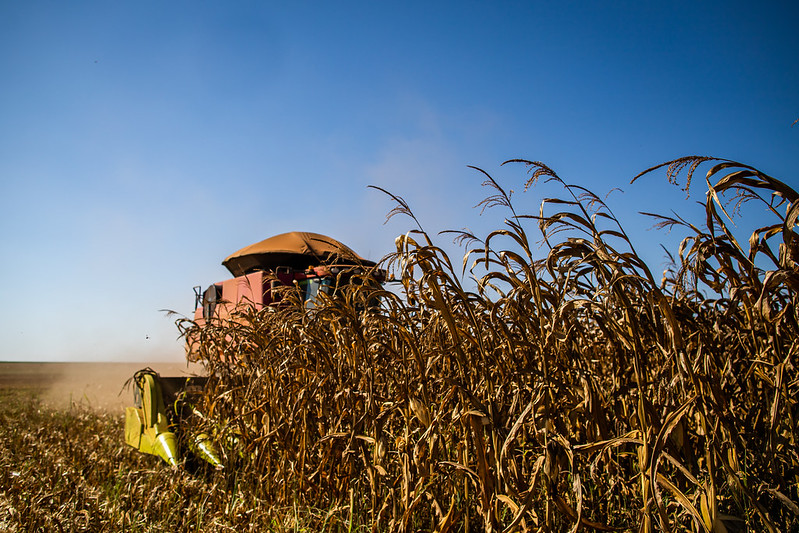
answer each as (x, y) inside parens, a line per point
(296, 249)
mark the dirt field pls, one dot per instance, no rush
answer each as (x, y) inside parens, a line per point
(95, 385)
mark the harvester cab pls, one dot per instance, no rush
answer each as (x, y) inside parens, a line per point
(262, 272)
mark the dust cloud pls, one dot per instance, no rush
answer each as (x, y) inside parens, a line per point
(96, 386)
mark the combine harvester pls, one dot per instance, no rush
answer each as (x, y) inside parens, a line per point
(312, 262)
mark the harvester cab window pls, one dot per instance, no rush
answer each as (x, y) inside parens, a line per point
(311, 288)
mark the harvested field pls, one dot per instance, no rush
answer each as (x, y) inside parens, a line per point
(96, 386)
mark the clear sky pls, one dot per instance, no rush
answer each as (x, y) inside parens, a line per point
(142, 142)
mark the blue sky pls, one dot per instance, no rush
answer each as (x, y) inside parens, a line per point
(143, 142)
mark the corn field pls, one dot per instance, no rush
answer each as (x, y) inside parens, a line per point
(548, 381)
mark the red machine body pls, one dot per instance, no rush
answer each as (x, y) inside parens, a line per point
(313, 262)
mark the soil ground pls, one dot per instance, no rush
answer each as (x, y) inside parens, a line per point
(98, 386)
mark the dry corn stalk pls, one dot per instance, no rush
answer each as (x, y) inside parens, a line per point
(560, 392)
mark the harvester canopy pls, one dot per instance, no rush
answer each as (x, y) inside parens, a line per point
(296, 249)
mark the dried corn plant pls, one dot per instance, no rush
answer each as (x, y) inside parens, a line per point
(571, 390)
